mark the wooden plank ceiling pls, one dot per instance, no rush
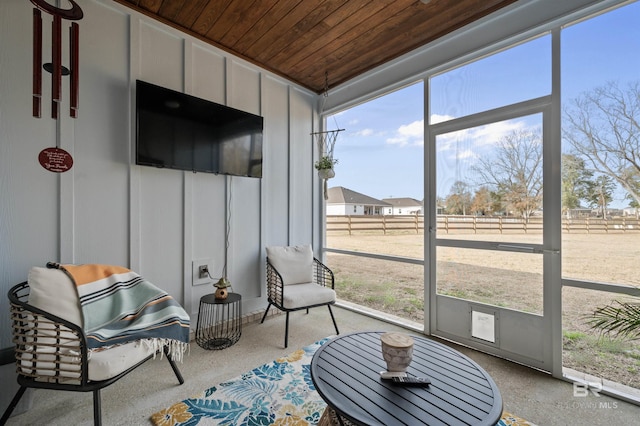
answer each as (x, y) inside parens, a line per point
(317, 43)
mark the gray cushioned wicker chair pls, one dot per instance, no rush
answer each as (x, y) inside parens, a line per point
(296, 280)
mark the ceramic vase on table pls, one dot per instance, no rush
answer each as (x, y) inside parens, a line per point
(397, 351)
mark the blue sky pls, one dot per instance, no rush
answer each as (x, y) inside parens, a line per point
(381, 151)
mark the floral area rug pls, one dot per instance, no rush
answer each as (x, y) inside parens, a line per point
(277, 393)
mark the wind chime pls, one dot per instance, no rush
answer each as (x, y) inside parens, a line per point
(56, 159)
(326, 141)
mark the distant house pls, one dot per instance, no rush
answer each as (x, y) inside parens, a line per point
(578, 213)
(345, 202)
(403, 206)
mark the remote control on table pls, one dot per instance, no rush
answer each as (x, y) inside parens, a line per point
(411, 381)
(391, 374)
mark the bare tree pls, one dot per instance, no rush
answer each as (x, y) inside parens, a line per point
(514, 170)
(633, 202)
(576, 182)
(485, 202)
(459, 199)
(603, 127)
(600, 193)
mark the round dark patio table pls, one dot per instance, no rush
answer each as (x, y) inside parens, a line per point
(346, 374)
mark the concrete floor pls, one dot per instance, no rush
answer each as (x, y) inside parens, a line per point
(527, 393)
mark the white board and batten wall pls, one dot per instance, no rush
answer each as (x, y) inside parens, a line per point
(108, 210)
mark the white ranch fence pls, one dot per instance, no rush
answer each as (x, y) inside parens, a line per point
(475, 224)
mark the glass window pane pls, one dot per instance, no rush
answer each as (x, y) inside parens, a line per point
(585, 350)
(600, 187)
(391, 287)
(489, 179)
(408, 244)
(375, 202)
(602, 257)
(506, 279)
(381, 152)
(520, 73)
(600, 148)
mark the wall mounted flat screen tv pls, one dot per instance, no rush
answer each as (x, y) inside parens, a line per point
(180, 131)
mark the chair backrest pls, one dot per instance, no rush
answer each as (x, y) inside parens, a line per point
(48, 347)
(293, 263)
(53, 291)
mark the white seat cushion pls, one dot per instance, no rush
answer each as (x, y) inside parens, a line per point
(293, 263)
(307, 294)
(102, 364)
(111, 362)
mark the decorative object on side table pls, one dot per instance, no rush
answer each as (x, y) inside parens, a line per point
(397, 351)
(221, 288)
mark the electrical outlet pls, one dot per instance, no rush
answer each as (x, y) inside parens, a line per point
(201, 268)
(203, 271)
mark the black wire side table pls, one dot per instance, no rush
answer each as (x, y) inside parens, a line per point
(219, 321)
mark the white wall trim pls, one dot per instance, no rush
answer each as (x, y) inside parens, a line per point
(134, 172)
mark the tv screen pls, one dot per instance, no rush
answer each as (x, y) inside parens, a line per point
(180, 131)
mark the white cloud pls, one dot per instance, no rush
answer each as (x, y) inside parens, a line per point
(397, 141)
(472, 139)
(439, 118)
(363, 132)
(491, 133)
(408, 134)
(414, 129)
(467, 153)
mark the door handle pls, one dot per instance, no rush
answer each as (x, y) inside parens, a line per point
(516, 248)
(527, 249)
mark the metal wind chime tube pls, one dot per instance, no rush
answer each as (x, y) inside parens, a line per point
(37, 62)
(56, 68)
(74, 41)
(56, 60)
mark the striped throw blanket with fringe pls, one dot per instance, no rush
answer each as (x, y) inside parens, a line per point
(120, 306)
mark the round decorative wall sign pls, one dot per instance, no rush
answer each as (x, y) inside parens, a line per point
(56, 160)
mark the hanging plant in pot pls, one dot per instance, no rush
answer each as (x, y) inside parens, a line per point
(222, 288)
(325, 167)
